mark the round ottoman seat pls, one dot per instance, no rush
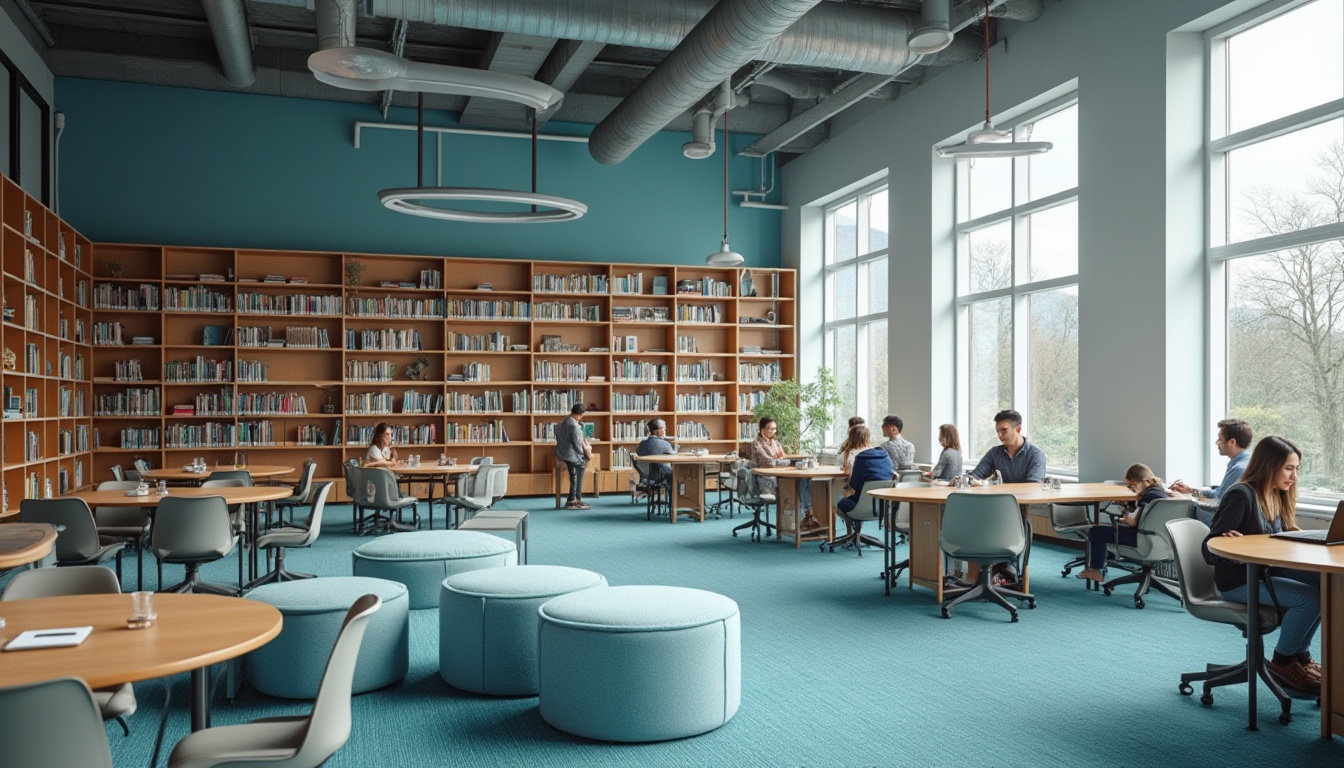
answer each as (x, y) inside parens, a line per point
(423, 559)
(488, 624)
(639, 663)
(291, 665)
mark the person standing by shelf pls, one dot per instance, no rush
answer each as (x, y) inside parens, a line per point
(381, 453)
(574, 449)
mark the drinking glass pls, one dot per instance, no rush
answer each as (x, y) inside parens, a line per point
(142, 610)
(240, 460)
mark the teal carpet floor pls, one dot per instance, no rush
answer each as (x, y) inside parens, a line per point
(833, 672)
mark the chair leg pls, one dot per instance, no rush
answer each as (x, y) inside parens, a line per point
(985, 590)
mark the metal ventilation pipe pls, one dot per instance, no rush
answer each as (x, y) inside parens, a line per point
(335, 23)
(935, 29)
(701, 144)
(728, 37)
(233, 40)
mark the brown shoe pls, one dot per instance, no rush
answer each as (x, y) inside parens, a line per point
(809, 523)
(1294, 675)
(1313, 669)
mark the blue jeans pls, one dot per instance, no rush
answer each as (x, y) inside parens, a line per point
(1299, 592)
(576, 482)
(1098, 536)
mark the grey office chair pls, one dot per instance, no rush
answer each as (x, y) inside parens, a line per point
(909, 475)
(377, 491)
(303, 492)
(192, 531)
(1071, 522)
(281, 539)
(476, 492)
(1201, 600)
(52, 723)
(115, 702)
(129, 524)
(749, 496)
(351, 478)
(1152, 549)
(290, 742)
(985, 529)
(865, 511)
(78, 542)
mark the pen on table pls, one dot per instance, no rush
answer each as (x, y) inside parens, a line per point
(53, 634)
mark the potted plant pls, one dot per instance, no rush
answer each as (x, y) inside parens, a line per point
(114, 268)
(354, 272)
(802, 411)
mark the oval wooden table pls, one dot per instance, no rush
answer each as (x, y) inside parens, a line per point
(1259, 551)
(255, 470)
(191, 633)
(790, 512)
(431, 473)
(688, 480)
(926, 517)
(24, 543)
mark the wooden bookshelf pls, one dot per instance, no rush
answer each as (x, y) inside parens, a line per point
(499, 365)
(48, 289)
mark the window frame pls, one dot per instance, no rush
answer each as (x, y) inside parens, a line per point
(1021, 287)
(18, 86)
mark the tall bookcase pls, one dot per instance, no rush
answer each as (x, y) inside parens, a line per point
(47, 326)
(289, 355)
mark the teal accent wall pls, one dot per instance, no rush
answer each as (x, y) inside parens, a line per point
(162, 165)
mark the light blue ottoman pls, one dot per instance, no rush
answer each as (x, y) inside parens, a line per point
(423, 559)
(291, 665)
(640, 663)
(488, 624)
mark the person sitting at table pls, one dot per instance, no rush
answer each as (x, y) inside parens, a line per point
(949, 461)
(766, 451)
(1015, 459)
(1265, 501)
(901, 451)
(381, 453)
(1140, 480)
(851, 447)
(1234, 442)
(870, 464)
(656, 444)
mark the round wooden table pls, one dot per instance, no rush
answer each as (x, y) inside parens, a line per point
(1259, 551)
(178, 473)
(191, 633)
(926, 516)
(24, 543)
(790, 513)
(688, 481)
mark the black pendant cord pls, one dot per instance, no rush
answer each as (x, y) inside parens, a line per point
(420, 139)
(725, 175)
(532, 114)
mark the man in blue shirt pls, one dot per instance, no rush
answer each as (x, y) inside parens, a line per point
(1017, 460)
(1234, 442)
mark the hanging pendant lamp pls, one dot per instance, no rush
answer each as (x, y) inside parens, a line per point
(988, 141)
(725, 256)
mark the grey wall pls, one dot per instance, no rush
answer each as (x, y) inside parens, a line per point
(1138, 70)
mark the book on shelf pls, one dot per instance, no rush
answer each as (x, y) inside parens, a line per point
(659, 285)
(143, 340)
(210, 277)
(274, 279)
(298, 280)
(212, 335)
(387, 284)
(179, 277)
(183, 410)
(485, 287)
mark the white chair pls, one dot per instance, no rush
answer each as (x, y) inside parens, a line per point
(281, 539)
(290, 742)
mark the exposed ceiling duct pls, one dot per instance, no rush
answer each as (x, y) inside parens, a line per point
(335, 23)
(233, 39)
(727, 38)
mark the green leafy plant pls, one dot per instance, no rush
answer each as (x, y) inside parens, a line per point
(354, 272)
(802, 411)
(114, 268)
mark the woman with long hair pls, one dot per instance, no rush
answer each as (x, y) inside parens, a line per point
(1140, 480)
(858, 439)
(949, 461)
(1264, 501)
(381, 453)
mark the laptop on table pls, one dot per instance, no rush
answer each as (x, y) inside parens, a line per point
(1334, 535)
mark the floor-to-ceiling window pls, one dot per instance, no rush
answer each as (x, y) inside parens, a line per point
(1277, 230)
(855, 258)
(24, 117)
(1017, 290)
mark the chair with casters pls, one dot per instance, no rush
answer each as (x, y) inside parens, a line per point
(1201, 600)
(865, 510)
(118, 473)
(657, 493)
(350, 469)
(303, 492)
(475, 492)
(1152, 548)
(750, 497)
(985, 529)
(129, 524)
(1071, 522)
(78, 542)
(231, 479)
(909, 476)
(115, 702)
(377, 492)
(281, 539)
(290, 742)
(52, 723)
(191, 531)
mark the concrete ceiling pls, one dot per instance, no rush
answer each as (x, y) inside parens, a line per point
(169, 42)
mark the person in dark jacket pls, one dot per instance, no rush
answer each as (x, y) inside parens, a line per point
(870, 464)
(1141, 480)
(1264, 501)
